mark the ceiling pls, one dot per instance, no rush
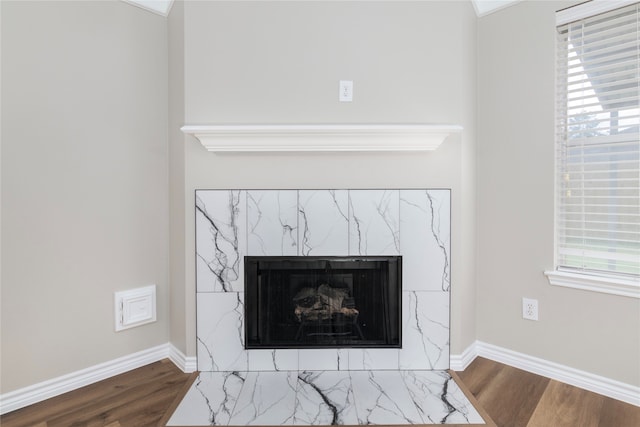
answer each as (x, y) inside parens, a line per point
(482, 7)
(485, 7)
(161, 7)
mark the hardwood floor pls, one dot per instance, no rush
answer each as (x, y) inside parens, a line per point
(141, 397)
(515, 398)
(148, 396)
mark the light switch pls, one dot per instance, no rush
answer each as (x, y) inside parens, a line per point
(135, 307)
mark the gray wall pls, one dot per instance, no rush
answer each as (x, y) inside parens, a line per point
(180, 303)
(589, 331)
(84, 182)
(280, 62)
(94, 200)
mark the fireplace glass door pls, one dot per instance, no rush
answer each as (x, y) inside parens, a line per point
(323, 302)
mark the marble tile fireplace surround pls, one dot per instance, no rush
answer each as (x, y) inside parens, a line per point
(411, 223)
(334, 385)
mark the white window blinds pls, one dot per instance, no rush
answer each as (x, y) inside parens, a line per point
(598, 144)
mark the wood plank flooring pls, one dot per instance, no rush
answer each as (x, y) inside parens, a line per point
(515, 398)
(148, 396)
(141, 397)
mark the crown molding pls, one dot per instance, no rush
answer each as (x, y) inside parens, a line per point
(319, 137)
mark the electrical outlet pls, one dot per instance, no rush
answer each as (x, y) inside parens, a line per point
(346, 91)
(529, 309)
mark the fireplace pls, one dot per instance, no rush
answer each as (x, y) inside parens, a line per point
(323, 302)
(261, 226)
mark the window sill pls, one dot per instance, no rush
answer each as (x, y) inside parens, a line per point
(608, 285)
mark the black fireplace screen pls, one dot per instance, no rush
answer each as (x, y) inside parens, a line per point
(323, 302)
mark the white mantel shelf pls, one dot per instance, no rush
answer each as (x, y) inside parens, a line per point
(283, 138)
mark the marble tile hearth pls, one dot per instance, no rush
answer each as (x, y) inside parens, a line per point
(324, 398)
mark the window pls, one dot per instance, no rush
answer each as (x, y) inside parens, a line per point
(598, 149)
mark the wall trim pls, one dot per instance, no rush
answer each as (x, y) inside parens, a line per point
(460, 362)
(321, 137)
(605, 386)
(607, 285)
(186, 364)
(47, 389)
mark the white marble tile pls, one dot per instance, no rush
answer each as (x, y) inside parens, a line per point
(324, 398)
(228, 221)
(220, 333)
(323, 222)
(343, 359)
(383, 398)
(323, 359)
(425, 330)
(210, 400)
(267, 398)
(374, 222)
(272, 222)
(373, 358)
(273, 360)
(439, 399)
(425, 239)
(220, 240)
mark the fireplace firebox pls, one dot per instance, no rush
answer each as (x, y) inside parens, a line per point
(323, 302)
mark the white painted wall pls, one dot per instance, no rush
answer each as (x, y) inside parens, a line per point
(280, 62)
(84, 183)
(588, 331)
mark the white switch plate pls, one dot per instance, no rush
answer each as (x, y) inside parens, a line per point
(346, 91)
(135, 307)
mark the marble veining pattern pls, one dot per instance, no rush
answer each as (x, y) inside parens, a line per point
(211, 399)
(324, 359)
(439, 399)
(272, 222)
(383, 398)
(266, 398)
(273, 360)
(324, 222)
(220, 240)
(374, 217)
(220, 338)
(374, 358)
(425, 330)
(414, 223)
(425, 235)
(439, 202)
(324, 398)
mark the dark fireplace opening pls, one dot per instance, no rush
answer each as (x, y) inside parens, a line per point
(323, 302)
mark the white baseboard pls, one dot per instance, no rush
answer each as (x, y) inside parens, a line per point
(607, 387)
(186, 364)
(459, 362)
(47, 389)
(38, 392)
